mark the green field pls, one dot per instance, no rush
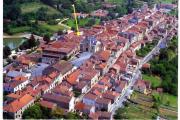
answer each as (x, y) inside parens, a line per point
(133, 111)
(81, 22)
(155, 81)
(140, 106)
(42, 26)
(169, 100)
(34, 6)
(19, 29)
(51, 28)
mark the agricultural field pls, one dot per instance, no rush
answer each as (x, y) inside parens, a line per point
(167, 100)
(141, 106)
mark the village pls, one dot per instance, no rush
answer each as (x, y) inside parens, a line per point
(92, 73)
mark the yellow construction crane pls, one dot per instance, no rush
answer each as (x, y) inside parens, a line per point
(77, 28)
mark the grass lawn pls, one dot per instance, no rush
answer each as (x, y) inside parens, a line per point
(81, 22)
(51, 28)
(138, 112)
(169, 100)
(34, 6)
(155, 81)
(41, 26)
(19, 29)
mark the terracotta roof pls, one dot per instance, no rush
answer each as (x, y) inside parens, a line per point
(47, 104)
(81, 85)
(20, 78)
(103, 101)
(100, 115)
(13, 95)
(142, 83)
(129, 53)
(146, 65)
(105, 54)
(122, 84)
(79, 106)
(111, 95)
(96, 92)
(47, 79)
(18, 104)
(73, 77)
(104, 115)
(90, 96)
(63, 66)
(56, 99)
(53, 74)
(63, 90)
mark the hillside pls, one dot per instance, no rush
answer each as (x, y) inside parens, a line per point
(32, 7)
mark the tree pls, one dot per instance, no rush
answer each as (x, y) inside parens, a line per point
(41, 14)
(12, 11)
(46, 112)
(72, 115)
(46, 38)
(24, 45)
(60, 32)
(121, 10)
(119, 114)
(91, 22)
(32, 41)
(34, 112)
(48, 2)
(57, 113)
(6, 51)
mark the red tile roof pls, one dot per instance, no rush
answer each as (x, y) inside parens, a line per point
(18, 104)
(47, 104)
(146, 65)
(90, 96)
(79, 106)
(14, 96)
(73, 77)
(21, 78)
